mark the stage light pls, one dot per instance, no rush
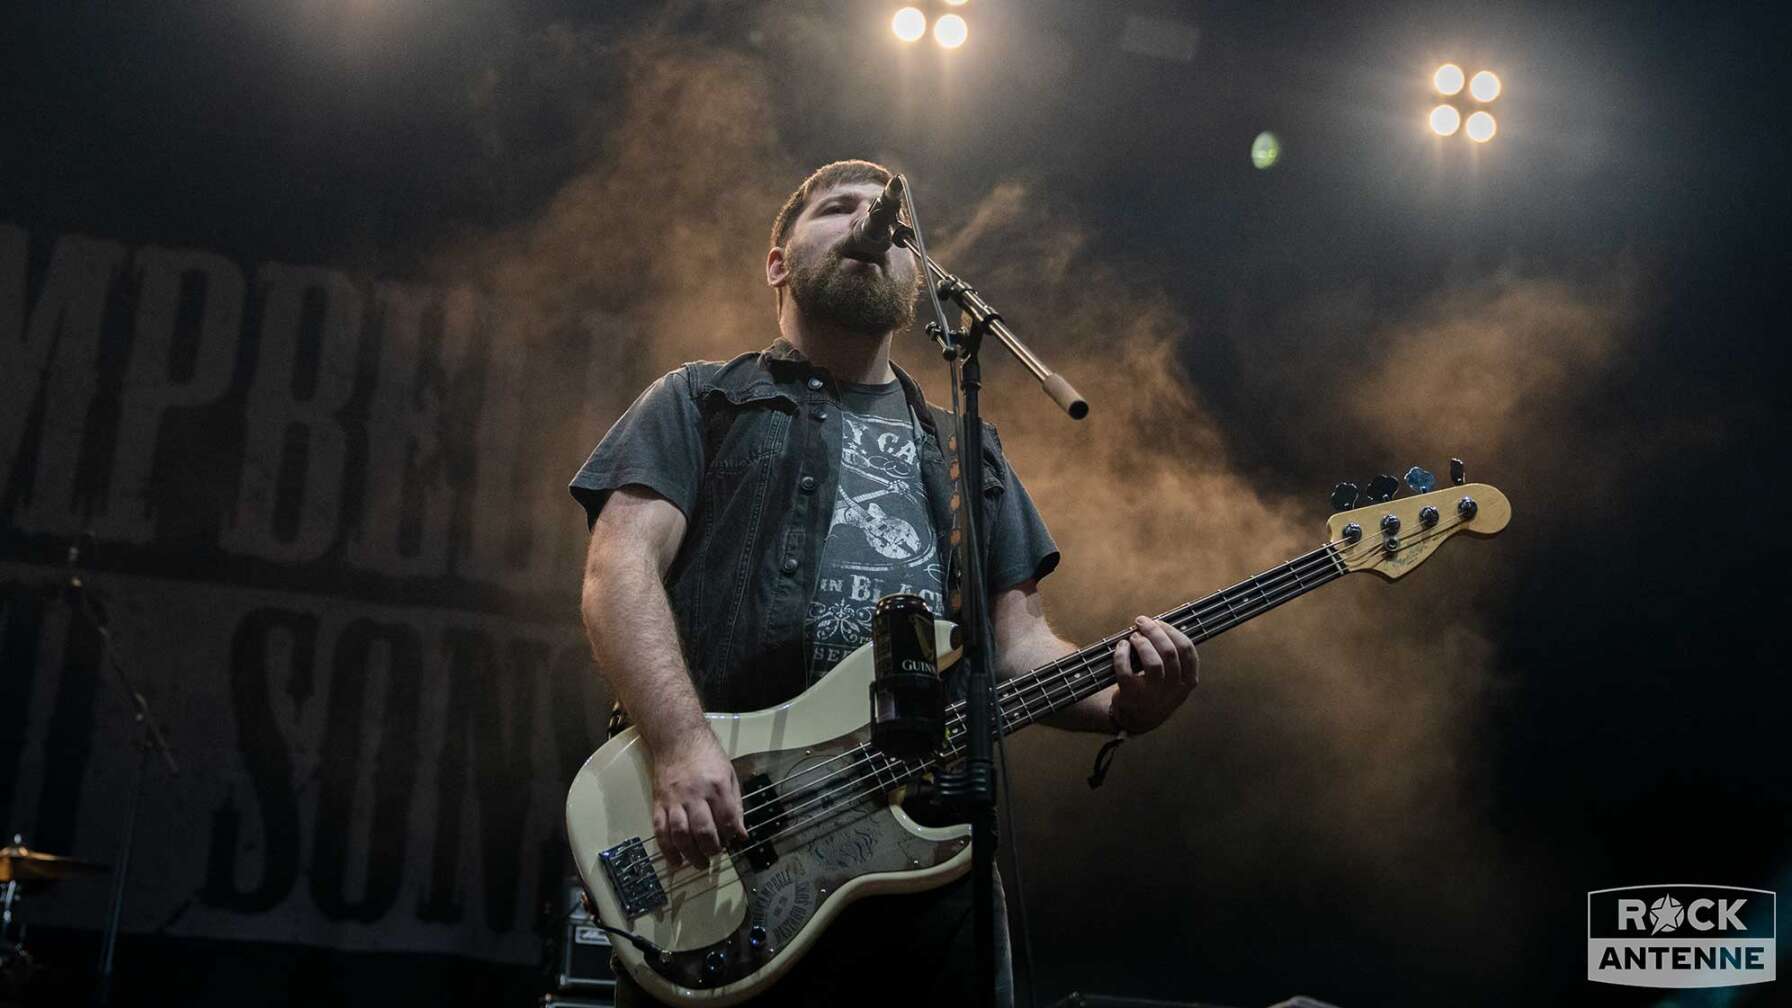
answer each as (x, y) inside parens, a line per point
(1445, 120)
(950, 31)
(955, 3)
(909, 24)
(1447, 79)
(1481, 127)
(1485, 87)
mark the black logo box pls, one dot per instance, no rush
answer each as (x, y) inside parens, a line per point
(1758, 913)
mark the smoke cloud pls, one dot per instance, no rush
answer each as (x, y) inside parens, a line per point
(1333, 749)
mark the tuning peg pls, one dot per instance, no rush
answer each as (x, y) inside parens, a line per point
(1344, 496)
(1456, 474)
(1383, 488)
(1420, 480)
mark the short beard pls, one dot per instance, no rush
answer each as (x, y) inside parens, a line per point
(863, 301)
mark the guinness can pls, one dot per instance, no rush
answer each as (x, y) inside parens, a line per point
(907, 698)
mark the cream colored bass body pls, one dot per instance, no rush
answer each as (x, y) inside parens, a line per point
(821, 807)
(826, 830)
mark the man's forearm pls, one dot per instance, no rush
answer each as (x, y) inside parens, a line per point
(1090, 714)
(634, 641)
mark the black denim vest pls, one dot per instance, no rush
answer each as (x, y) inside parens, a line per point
(741, 583)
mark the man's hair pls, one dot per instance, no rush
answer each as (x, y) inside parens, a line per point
(824, 178)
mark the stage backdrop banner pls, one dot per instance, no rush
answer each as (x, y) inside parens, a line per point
(330, 533)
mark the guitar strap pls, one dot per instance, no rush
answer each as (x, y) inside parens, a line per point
(945, 426)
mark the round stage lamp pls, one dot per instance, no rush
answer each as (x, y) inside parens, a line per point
(1484, 86)
(909, 24)
(1445, 120)
(1481, 127)
(1447, 79)
(950, 31)
(1266, 150)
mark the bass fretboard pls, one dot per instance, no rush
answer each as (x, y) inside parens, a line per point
(1050, 688)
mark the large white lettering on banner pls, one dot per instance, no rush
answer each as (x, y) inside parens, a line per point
(331, 537)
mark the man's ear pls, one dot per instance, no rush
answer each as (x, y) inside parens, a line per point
(777, 270)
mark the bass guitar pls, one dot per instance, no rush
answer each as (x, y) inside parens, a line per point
(823, 809)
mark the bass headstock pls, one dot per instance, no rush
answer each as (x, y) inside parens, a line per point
(1391, 537)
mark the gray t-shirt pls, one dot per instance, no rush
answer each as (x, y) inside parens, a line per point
(658, 444)
(881, 539)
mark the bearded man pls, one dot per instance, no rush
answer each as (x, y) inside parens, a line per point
(745, 518)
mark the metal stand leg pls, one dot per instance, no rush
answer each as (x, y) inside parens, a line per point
(12, 892)
(102, 991)
(150, 738)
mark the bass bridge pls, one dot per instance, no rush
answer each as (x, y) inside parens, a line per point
(632, 876)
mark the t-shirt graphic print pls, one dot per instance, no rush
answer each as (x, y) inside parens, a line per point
(881, 538)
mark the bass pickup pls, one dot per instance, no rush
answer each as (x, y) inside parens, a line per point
(763, 810)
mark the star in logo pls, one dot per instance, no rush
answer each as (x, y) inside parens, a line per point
(1666, 914)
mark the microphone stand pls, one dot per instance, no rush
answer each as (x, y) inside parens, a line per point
(974, 788)
(150, 740)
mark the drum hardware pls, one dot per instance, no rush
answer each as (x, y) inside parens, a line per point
(24, 870)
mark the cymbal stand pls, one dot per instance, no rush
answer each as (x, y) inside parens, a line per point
(150, 741)
(16, 965)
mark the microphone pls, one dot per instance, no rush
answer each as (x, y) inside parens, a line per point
(875, 232)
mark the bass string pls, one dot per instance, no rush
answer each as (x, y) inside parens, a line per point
(1320, 564)
(1336, 564)
(1263, 604)
(1064, 672)
(1015, 687)
(1317, 559)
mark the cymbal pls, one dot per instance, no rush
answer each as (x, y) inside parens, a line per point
(22, 864)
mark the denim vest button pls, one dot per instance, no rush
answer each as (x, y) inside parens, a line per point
(789, 566)
(821, 414)
(807, 483)
(814, 383)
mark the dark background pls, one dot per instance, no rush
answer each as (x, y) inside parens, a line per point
(1638, 731)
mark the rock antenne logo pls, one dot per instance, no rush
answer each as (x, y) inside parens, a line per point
(1681, 935)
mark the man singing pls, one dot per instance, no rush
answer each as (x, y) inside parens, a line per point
(745, 518)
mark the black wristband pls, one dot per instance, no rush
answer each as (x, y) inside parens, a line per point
(1104, 758)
